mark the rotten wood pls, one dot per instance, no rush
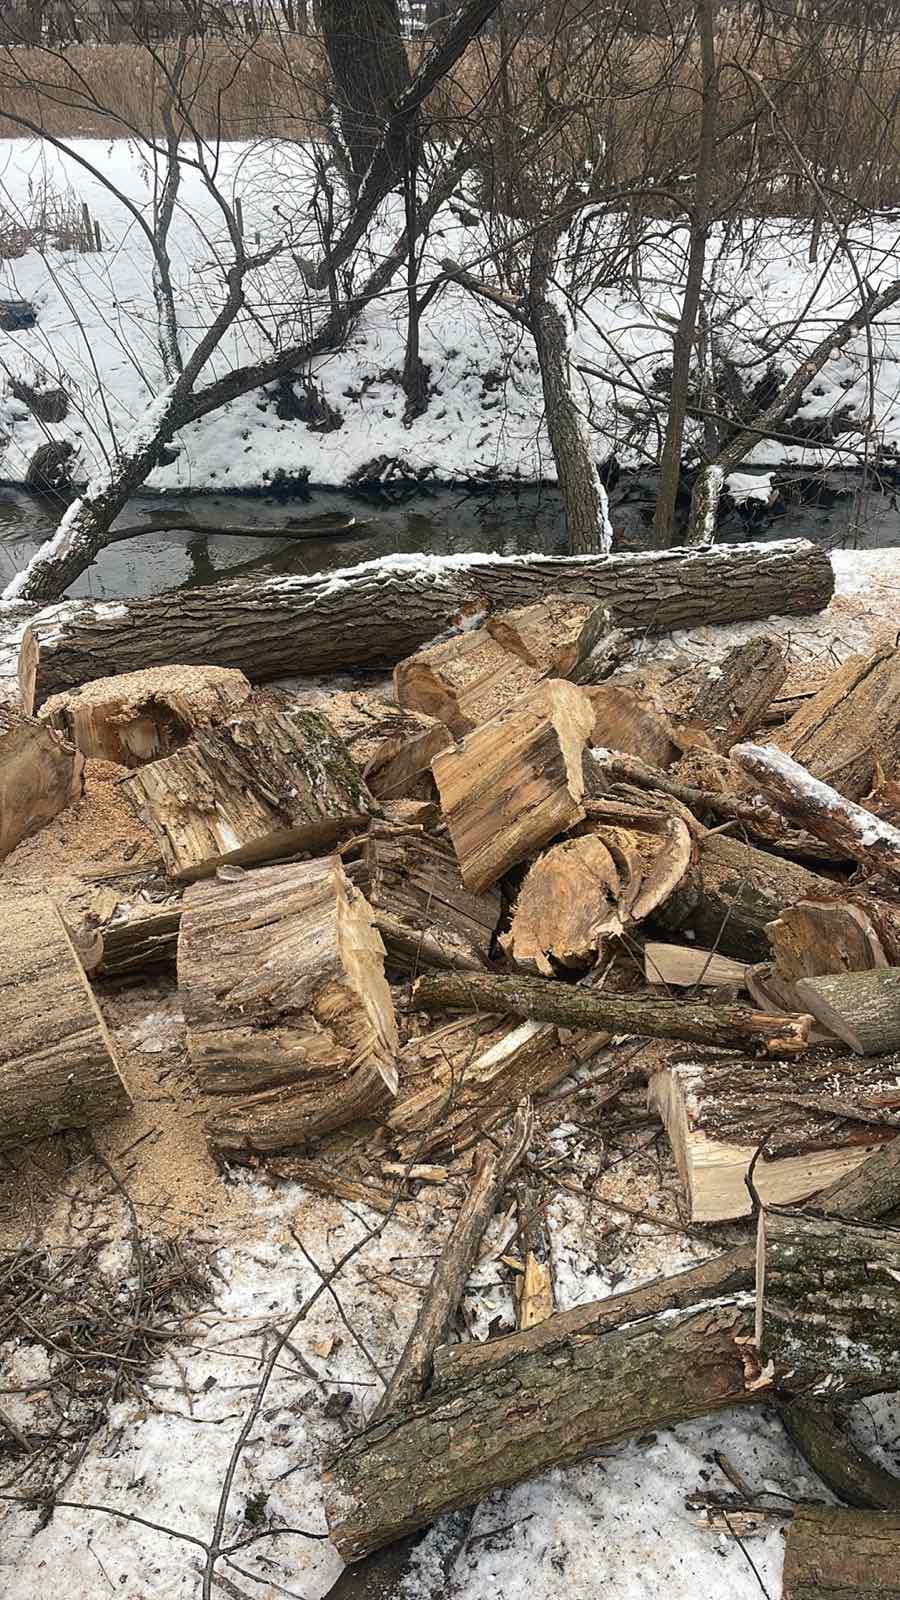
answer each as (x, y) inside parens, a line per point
(40, 774)
(141, 716)
(422, 909)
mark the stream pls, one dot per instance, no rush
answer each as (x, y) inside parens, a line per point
(310, 534)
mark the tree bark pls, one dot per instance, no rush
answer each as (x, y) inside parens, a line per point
(369, 70)
(858, 833)
(862, 1008)
(40, 774)
(848, 1471)
(57, 1064)
(833, 1554)
(871, 1190)
(723, 702)
(425, 915)
(851, 727)
(374, 615)
(536, 1410)
(542, 1000)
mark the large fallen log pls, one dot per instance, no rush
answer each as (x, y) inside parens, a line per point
(542, 1000)
(141, 716)
(537, 1409)
(849, 1473)
(815, 1124)
(268, 783)
(828, 1300)
(40, 774)
(835, 1554)
(851, 727)
(57, 1063)
(858, 833)
(374, 614)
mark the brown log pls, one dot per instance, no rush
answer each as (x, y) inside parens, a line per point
(828, 1300)
(593, 887)
(282, 980)
(851, 725)
(421, 908)
(862, 1008)
(400, 768)
(835, 1554)
(627, 721)
(491, 1171)
(141, 716)
(863, 837)
(849, 1473)
(271, 783)
(373, 615)
(813, 937)
(457, 1085)
(718, 703)
(58, 1067)
(515, 782)
(40, 774)
(537, 1409)
(684, 966)
(816, 1123)
(647, 1016)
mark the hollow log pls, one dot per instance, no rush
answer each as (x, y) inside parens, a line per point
(375, 614)
(515, 782)
(141, 716)
(835, 1554)
(265, 784)
(537, 1409)
(40, 774)
(862, 1008)
(816, 1123)
(858, 833)
(58, 1067)
(542, 1000)
(851, 726)
(828, 1300)
(421, 908)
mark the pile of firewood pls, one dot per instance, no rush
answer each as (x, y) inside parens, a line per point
(561, 832)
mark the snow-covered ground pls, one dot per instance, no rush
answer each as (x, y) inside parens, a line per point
(96, 332)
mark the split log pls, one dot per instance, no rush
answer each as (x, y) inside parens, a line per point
(421, 908)
(851, 725)
(491, 1171)
(58, 1067)
(828, 1300)
(537, 1409)
(141, 716)
(720, 702)
(533, 1288)
(848, 1472)
(731, 894)
(375, 614)
(515, 782)
(646, 1016)
(860, 835)
(457, 1087)
(871, 1190)
(812, 938)
(282, 979)
(263, 785)
(601, 649)
(684, 966)
(816, 1123)
(40, 774)
(593, 887)
(835, 1554)
(627, 721)
(400, 768)
(862, 1008)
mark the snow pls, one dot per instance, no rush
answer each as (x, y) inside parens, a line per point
(97, 334)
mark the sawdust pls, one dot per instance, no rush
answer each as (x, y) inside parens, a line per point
(99, 834)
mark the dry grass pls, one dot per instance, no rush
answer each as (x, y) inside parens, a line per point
(52, 220)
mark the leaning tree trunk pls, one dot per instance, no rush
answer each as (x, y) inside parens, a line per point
(369, 70)
(375, 614)
(584, 497)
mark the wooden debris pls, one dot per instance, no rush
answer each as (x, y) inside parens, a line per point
(515, 782)
(850, 726)
(545, 635)
(58, 1067)
(816, 1123)
(831, 1552)
(533, 1288)
(828, 1300)
(815, 937)
(282, 980)
(862, 1008)
(268, 784)
(684, 966)
(718, 703)
(422, 909)
(400, 768)
(627, 721)
(141, 716)
(860, 835)
(40, 774)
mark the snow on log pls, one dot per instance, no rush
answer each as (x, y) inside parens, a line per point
(858, 833)
(375, 614)
(40, 774)
(265, 784)
(57, 1063)
(140, 716)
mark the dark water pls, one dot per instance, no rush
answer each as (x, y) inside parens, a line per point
(444, 521)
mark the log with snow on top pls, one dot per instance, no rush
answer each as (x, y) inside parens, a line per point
(858, 833)
(374, 614)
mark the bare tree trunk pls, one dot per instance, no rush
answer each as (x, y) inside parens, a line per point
(670, 466)
(369, 68)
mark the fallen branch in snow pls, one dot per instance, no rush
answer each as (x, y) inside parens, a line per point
(853, 1554)
(858, 833)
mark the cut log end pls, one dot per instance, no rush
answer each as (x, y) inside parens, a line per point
(141, 716)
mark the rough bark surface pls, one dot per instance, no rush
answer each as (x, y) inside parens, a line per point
(848, 1471)
(835, 1554)
(858, 833)
(871, 1190)
(373, 615)
(57, 1064)
(862, 1008)
(422, 909)
(141, 716)
(40, 774)
(724, 701)
(851, 726)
